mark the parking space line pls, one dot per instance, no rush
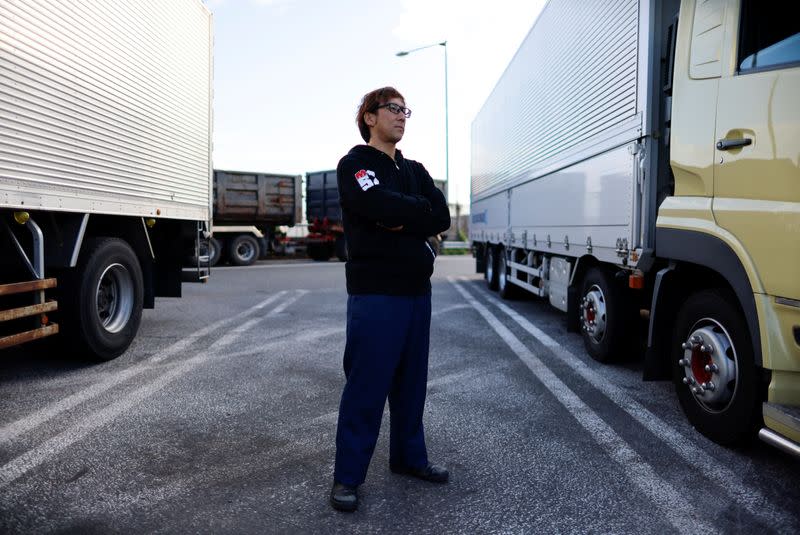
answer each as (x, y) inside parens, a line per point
(16, 428)
(311, 336)
(285, 265)
(746, 495)
(462, 376)
(280, 308)
(678, 511)
(36, 456)
(447, 309)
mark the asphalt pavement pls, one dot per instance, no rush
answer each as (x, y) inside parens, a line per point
(221, 418)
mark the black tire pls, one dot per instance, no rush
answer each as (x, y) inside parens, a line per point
(480, 261)
(214, 251)
(507, 290)
(102, 299)
(243, 250)
(605, 315)
(729, 413)
(341, 248)
(491, 268)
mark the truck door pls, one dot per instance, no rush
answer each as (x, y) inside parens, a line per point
(757, 145)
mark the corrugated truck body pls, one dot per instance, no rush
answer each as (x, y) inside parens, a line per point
(105, 158)
(106, 108)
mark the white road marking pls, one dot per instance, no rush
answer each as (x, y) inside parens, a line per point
(450, 308)
(280, 308)
(749, 497)
(673, 506)
(287, 265)
(31, 459)
(12, 430)
(330, 331)
(333, 416)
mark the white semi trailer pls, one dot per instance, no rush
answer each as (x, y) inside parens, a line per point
(105, 164)
(638, 160)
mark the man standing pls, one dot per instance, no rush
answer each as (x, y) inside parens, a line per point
(389, 209)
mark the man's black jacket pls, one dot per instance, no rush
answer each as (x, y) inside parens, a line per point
(377, 194)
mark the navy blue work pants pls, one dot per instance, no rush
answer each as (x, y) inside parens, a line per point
(386, 355)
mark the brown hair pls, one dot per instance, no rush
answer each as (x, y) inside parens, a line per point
(370, 103)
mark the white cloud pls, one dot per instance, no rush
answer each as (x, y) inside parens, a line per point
(213, 4)
(272, 2)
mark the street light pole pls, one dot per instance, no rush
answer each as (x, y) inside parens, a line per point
(446, 124)
(446, 118)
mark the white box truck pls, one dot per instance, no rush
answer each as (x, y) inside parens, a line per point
(105, 164)
(639, 158)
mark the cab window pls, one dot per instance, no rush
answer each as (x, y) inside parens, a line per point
(769, 36)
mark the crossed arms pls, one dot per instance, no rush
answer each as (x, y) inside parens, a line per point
(422, 214)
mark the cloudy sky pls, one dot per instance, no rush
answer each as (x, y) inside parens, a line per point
(289, 74)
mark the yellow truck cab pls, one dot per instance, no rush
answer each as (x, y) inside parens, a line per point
(732, 226)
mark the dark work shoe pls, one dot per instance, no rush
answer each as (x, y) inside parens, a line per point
(344, 497)
(433, 472)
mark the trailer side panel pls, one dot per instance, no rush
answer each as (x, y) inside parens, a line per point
(95, 117)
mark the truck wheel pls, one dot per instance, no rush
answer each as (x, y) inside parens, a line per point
(103, 299)
(214, 251)
(243, 250)
(713, 368)
(506, 289)
(491, 268)
(604, 312)
(341, 248)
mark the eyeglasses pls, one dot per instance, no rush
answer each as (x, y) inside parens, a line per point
(395, 108)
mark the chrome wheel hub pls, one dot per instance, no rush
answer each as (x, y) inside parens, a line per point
(114, 298)
(245, 251)
(709, 364)
(593, 313)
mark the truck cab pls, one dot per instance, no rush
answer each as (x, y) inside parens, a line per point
(731, 229)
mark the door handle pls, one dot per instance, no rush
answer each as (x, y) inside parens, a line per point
(728, 144)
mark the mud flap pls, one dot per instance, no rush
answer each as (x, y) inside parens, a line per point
(656, 358)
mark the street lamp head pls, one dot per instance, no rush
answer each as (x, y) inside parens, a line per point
(407, 52)
(446, 122)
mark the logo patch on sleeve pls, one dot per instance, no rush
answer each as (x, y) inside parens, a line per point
(366, 179)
